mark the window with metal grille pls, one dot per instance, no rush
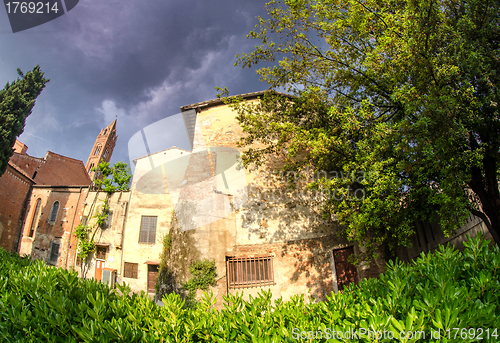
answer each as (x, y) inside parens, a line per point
(53, 212)
(250, 271)
(148, 229)
(100, 253)
(54, 252)
(130, 270)
(97, 150)
(35, 217)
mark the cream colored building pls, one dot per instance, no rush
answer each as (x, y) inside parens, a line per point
(260, 235)
(108, 238)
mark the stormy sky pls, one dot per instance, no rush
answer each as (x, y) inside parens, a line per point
(137, 61)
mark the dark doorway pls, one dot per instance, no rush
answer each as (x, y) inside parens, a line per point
(346, 271)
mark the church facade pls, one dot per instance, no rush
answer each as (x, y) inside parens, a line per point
(42, 200)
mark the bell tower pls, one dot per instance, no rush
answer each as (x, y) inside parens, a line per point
(103, 148)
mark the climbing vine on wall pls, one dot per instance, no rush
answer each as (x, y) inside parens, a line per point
(86, 234)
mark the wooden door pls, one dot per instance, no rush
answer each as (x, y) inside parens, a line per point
(98, 269)
(346, 271)
(152, 276)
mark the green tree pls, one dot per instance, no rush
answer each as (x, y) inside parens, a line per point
(16, 102)
(406, 91)
(113, 178)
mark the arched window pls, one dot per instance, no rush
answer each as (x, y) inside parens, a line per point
(35, 217)
(97, 150)
(53, 212)
(105, 153)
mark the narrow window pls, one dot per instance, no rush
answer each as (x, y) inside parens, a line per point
(84, 220)
(53, 212)
(250, 271)
(35, 217)
(54, 252)
(109, 218)
(148, 229)
(105, 153)
(97, 150)
(130, 270)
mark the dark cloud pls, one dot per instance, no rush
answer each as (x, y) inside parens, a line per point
(135, 60)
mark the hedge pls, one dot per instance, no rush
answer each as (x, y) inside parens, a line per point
(451, 293)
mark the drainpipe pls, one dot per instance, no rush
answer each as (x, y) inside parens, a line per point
(123, 232)
(71, 230)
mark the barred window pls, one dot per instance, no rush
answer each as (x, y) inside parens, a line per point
(148, 229)
(130, 270)
(250, 271)
(97, 150)
(53, 212)
(35, 217)
(100, 252)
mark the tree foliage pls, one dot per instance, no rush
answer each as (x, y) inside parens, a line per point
(16, 102)
(406, 91)
(113, 178)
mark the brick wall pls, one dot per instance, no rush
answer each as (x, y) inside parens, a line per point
(14, 190)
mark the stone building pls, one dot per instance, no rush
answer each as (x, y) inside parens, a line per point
(54, 202)
(102, 149)
(213, 208)
(17, 184)
(108, 237)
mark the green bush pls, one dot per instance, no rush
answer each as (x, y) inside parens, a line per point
(445, 290)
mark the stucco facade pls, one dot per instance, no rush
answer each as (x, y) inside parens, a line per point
(213, 208)
(109, 237)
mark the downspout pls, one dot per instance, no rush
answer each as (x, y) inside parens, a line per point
(124, 229)
(72, 225)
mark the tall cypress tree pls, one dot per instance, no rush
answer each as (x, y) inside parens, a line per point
(16, 102)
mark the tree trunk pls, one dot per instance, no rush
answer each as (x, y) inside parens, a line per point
(486, 188)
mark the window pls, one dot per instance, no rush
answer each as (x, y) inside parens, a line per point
(250, 271)
(91, 166)
(148, 229)
(105, 153)
(100, 252)
(53, 212)
(109, 218)
(54, 251)
(130, 270)
(97, 150)
(35, 217)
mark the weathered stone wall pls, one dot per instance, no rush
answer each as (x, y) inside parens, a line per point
(60, 231)
(109, 237)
